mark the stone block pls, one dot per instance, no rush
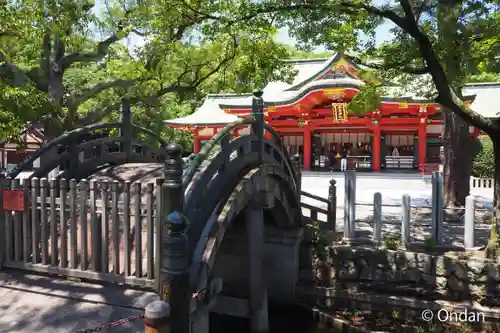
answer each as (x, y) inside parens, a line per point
(455, 278)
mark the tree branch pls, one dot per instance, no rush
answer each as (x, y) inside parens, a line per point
(15, 76)
(101, 52)
(177, 87)
(99, 87)
(446, 96)
(402, 68)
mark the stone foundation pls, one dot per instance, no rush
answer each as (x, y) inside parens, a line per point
(410, 274)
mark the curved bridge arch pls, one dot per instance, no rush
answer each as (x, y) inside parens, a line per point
(98, 148)
(222, 174)
(224, 214)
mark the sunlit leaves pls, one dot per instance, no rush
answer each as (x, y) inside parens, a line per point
(367, 100)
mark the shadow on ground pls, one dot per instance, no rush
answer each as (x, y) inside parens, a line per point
(42, 304)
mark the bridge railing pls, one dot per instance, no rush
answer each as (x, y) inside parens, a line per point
(70, 144)
(219, 138)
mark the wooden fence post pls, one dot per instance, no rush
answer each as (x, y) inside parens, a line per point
(405, 220)
(2, 222)
(332, 205)
(157, 317)
(469, 219)
(377, 218)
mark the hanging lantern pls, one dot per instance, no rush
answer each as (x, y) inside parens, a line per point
(340, 112)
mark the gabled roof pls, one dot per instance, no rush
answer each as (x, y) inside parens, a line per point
(315, 74)
(487, 98)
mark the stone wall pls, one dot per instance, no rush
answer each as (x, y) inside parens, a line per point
(410, 274)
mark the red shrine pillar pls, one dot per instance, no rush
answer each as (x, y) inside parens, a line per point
(422, 143)
(307, 148)
(196, 145)
(376, 148)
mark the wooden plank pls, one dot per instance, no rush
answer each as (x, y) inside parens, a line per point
(95, 230)
(26, 224)
(54, 248)
(138, 230)
(126, 229)
(44, 225)
(73, 240)
(9, 235)
(99, 203)
(77, 273)
(150, 231)
(2, 227)
(18, 227)
(83, 187)
(115, 231)
(63, 185)
(314, 208)
(312, 196)
(158, 238)
(105, 227)
(35, 187)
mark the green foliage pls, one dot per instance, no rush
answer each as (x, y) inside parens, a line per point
(483, 77)
(484, 162)
(367, 100)
(392, 242)
(190, 50)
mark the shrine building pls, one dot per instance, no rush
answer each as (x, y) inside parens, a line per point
(402, 133)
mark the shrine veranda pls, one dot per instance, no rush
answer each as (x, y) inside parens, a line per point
(310, 114)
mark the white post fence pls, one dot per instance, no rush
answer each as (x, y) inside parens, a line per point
(437, 206)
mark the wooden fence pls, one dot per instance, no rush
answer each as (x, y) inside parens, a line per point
(95, 230)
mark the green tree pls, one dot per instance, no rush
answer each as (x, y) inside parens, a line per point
(49, 47)
(338, 23)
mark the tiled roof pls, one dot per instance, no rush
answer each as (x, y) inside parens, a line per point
(306, 81)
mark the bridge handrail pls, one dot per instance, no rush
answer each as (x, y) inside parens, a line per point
(67, 135)
(315, 197)
(207, 148)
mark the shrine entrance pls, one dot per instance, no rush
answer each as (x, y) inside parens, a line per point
(399, 151)
(328, 146)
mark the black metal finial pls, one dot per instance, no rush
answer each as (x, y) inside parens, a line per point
(174, 150)
(258, 93)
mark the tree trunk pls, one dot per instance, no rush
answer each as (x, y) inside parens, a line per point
(492, 250)
(52, 126)
(457, 142)
(458, 155)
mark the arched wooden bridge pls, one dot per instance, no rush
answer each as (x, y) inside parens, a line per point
(231, 226)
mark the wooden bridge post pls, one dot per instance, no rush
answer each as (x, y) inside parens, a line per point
(257, 293)
(296, 164)
(258, 127)
(176, 259)
(126, 129)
